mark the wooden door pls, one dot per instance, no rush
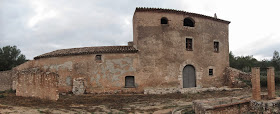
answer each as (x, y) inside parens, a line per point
(189, 78)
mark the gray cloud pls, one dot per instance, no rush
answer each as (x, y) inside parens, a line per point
(37, 27)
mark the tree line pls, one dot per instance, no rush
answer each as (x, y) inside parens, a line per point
(10, 57)
(245, 63)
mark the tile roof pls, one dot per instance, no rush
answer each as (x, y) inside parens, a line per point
(89, 50)
(145, 9)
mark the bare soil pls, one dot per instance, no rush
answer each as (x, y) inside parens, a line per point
(125, 103)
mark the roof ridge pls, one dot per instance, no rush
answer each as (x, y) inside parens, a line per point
(88, 50)
(179, 11)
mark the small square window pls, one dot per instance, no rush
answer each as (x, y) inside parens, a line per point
(210, 72)
(129, 82)
(216, 46)
(189, 44)
(98, 57)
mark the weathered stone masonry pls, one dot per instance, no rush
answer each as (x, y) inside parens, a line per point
(189, 50)
(6, 80)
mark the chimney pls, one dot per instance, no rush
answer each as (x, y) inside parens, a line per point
(130, 43)
(215, 16)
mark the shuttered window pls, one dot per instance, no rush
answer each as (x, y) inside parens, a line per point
(189, 44)
(216, 46)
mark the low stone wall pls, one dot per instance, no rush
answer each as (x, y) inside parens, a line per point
(35, 83)
(185, 90)
(225, 105)
(234, 77)
(6, 81)
(266, 106)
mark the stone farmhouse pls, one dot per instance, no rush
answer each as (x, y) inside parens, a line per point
(170, 49)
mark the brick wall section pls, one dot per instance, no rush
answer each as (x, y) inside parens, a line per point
(271, 82)
(35, 83)
(234, 77)
(5, 80)
(256, 86)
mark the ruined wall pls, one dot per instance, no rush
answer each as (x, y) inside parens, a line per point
(163, 54)
(37, 83)
(6, 80)
(224, 105)
(235, 78)
(101, 76)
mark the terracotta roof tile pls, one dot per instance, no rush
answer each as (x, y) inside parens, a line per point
(88, 50)
(145, 9)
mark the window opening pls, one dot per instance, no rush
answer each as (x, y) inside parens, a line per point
(189, 44)
(216, 46)
(129, 82)
(210, 72)
(164, 20)
(188, 22)
(98, 57)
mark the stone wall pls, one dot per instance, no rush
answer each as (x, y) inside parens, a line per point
(225, 105)
(235, 78)
(36, 83)
(6, 80)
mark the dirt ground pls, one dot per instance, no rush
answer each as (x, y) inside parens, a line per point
(125, 103)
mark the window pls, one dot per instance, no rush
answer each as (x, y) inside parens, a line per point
(216, 46)
(188, 22)
(210, 72)
(98, 57)
(189, 44)
(164, 20)
(129, 82)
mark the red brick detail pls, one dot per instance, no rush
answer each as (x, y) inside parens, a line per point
(256, 87)
(271, 83)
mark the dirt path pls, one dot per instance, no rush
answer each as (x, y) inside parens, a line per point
(90, 103)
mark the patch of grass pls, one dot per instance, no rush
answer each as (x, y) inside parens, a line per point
(188, 110)
(170, 106)
(40, 111)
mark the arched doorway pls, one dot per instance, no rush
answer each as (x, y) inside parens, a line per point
(189, 78)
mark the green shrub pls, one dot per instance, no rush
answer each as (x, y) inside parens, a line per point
(247, 82)
(277, 80)
(2, 92)
(2, 96)
(263, 80)
(11, 91)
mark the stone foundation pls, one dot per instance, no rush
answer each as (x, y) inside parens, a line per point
(186, 90)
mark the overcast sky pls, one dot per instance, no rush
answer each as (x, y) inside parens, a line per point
(41, 26)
